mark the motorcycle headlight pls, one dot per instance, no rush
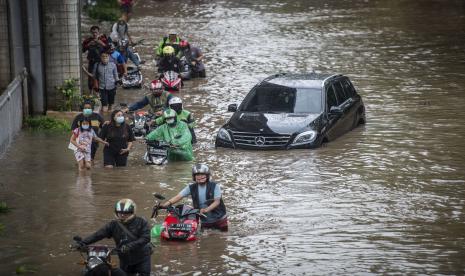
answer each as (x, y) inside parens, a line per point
(304, 138)
(223, 134)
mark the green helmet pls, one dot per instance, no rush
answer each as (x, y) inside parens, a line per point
(169, 113)
(170, 117)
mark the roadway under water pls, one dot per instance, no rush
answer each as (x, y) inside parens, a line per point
(386, 198)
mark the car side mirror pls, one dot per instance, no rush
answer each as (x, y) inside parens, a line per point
(232, 108)
(336, 111)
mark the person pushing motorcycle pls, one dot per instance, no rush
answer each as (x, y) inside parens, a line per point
(206, 196)
(157, 99)
(177, 134)
(131, 235)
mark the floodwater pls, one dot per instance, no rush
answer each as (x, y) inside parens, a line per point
(386, 198)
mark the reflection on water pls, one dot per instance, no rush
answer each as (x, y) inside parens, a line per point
(386, 198)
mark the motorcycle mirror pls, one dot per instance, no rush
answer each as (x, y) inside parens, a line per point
(158, 196)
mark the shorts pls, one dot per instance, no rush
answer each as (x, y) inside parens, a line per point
(221, 224)
(80, 155)
(114, 159)
(126, 8)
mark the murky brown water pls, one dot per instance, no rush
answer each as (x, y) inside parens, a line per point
(387, 198)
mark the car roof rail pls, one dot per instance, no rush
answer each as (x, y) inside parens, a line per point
(274, 76)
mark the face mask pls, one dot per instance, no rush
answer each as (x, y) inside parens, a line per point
(170, 121)
(87, 111)
(85, 126)
(120, 119)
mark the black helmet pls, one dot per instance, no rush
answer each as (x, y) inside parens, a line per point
(200, 169)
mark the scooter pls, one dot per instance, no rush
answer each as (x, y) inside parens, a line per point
(95, 257)
(171, 81)
(157, 153)
(182, 222)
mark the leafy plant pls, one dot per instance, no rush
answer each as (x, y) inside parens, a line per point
(23, 269)
(47, 123)
(71, 94)
(103, 10)
(4, 208)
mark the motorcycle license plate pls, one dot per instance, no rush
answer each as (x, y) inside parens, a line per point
(158, 151)
(180, 227)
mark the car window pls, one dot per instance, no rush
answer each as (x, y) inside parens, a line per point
(341, 97)
(348, 88)
(283, 99)
(331, 99)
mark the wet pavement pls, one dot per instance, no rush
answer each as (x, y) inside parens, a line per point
(386, 198)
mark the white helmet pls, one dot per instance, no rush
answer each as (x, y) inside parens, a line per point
(175, 103)
(175, 100)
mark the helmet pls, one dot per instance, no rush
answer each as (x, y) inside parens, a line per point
(156, 87)
(125, 206)
(184, 44)
(200, 169)
(170, 117)
(175, 103)
(168, 50)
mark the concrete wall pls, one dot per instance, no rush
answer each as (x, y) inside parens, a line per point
(61, 44)
(5, 73)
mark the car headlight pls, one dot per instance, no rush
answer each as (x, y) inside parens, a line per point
(223, 134)
(304, 138)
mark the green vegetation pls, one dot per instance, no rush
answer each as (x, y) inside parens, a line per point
(104, 10)
(23, 269)
(47, 123)
(71, 94)
(4, 208)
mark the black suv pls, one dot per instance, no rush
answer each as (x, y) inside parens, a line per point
(287, 111)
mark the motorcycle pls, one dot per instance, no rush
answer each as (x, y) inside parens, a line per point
(186, 70)
(141, 121)
(157, 153)
(171, 81)
(134, 77)
(182, 222)
(96, 257)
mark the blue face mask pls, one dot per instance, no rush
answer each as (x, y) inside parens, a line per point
(120, 119)
(85, 126)
(87, 111)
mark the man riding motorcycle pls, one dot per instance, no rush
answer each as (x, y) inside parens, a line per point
(157, 99)
(206, 196)
(175, 103)
(177, 134)
(131, 235)
(173, 40)
(169, 61)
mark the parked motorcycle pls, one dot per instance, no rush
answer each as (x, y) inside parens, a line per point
(182, 222)
(97, 258)
(156, 153)
(171, 81)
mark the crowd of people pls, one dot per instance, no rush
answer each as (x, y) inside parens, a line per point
(107, 58)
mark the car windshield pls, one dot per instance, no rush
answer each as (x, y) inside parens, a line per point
(274, 98)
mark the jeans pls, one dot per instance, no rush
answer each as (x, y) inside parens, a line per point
(133, 57)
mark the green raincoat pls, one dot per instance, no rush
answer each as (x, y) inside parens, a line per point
(179, 136)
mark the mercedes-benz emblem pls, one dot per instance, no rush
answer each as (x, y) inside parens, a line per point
(259, 140)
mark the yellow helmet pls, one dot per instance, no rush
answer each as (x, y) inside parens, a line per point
(168, 50)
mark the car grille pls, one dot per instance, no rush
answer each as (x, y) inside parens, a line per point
(260, 140)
